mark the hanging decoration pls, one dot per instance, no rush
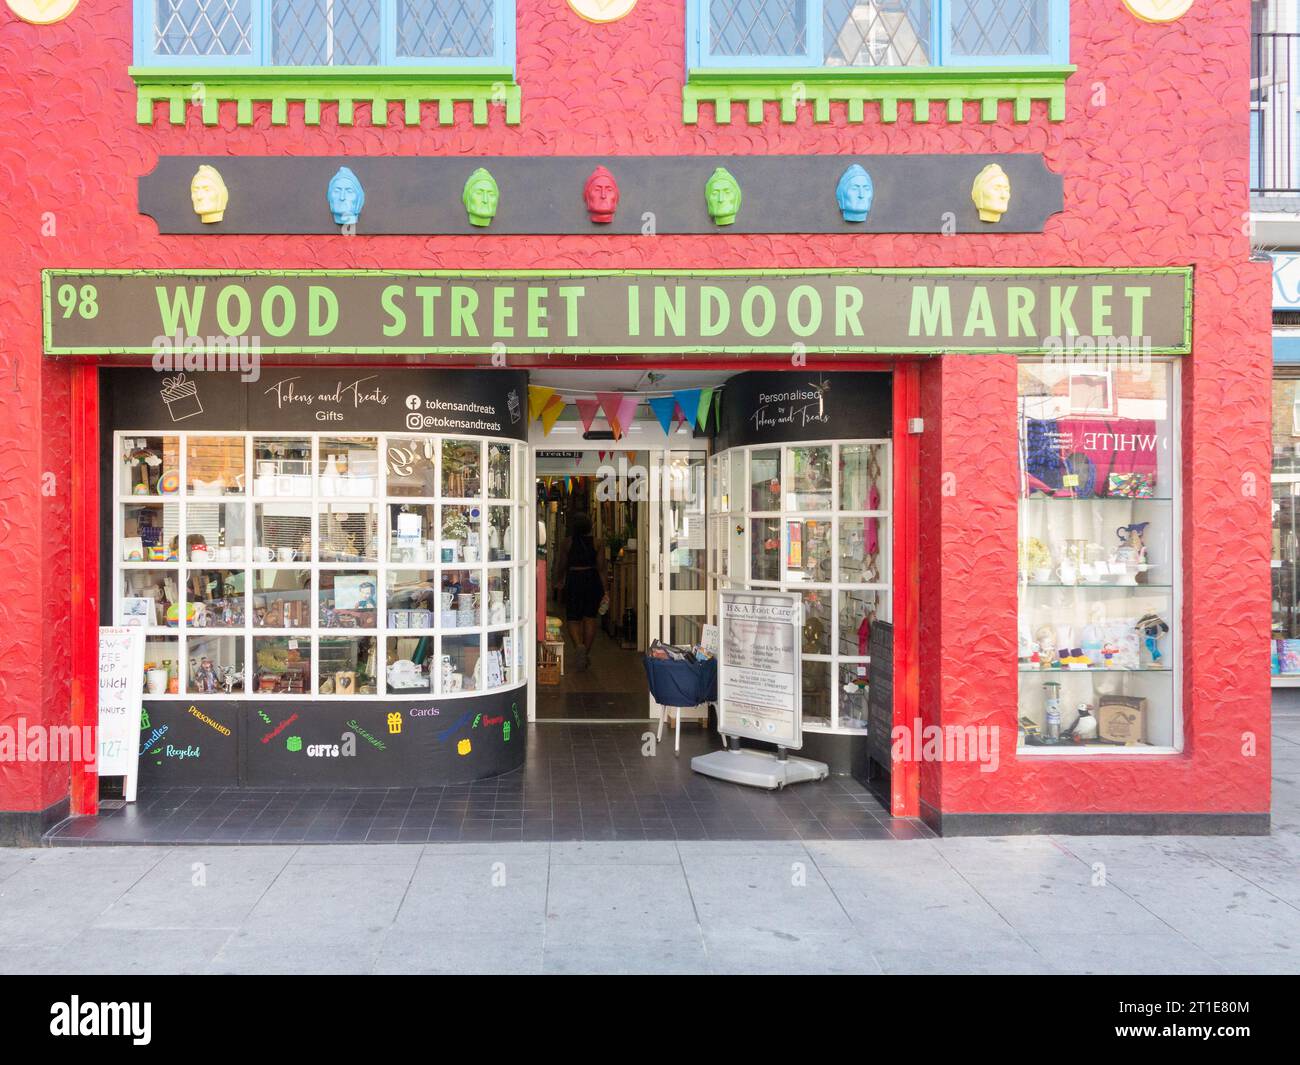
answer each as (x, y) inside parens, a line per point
(664, 407)
(538, 397)
(588, 408)
(627, 413)
(619, 410)
(702, 411)
(688, 403)
(551, 413)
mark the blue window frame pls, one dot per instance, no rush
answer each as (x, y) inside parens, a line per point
(864, 34)
(319, 34)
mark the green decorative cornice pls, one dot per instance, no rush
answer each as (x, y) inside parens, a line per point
(856, 86)
(345, 86)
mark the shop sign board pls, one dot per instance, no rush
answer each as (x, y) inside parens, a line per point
(121, 695)
(312, 399)
(759, 665)
(176, 314)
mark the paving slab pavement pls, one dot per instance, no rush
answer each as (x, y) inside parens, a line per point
(1019, 904)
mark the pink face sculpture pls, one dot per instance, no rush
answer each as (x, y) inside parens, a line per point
(601, 196)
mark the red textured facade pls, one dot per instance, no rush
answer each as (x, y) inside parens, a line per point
(1154, 154)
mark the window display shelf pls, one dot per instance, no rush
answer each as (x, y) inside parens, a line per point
(813, 518)
(1096, 669)
(1089, 586)
(1098, 559)
(1117, 500)
(319, 554)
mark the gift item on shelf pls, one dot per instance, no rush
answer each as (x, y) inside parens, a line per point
(1051, 711)
(1035, 560)
(1152, 627)
(1084, 727)
(1122, 719)
(203, 676)
(405, 675)
(1082, 458)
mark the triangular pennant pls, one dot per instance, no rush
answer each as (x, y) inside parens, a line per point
(609, 402)
(663, 407)
(550, 413)
(702, 411)
(587, 410)
(717, 407)
(626, 414)
(538, 398)
(688, 399)
(602, 455)
(568, 485)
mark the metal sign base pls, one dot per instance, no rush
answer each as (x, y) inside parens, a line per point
(759, 769)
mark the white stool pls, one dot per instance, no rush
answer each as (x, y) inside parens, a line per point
(699, 712)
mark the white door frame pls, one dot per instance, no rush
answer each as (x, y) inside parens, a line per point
(640, 437)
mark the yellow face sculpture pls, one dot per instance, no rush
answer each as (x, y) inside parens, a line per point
(209, 194)
(991, 193)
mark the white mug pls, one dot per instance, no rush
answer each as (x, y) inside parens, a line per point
(266, 554)
(286, 554)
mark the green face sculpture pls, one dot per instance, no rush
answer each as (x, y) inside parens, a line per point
(722, 194)
(481, 197)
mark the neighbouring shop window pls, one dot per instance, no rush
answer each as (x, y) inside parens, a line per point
(886, 33)
(815, 519)
(1099, 644)
(325, 33)
(1284, 655)
(321, 564)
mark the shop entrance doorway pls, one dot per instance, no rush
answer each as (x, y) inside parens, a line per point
(591, 587)
(645, 495)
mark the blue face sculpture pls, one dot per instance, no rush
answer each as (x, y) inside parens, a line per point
(854, 194)
(346, 197)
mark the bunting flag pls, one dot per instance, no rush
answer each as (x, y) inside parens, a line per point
(568, 485)
(539, 396)
(619, 410)
(702, 411)
(664, 408)
(717, 407)
(550, 413)
(688, 400)
(626, 413)
(602, 455)
(588, 408)
(609, 402)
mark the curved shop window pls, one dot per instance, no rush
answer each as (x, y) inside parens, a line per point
(331, 566)
(813, 518)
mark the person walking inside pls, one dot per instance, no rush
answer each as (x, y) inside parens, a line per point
(579, 580)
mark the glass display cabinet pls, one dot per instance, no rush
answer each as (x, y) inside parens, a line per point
(1098, 643)
(321, 565)
(815, 519)
(1284, 652)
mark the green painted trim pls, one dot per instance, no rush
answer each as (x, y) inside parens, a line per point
(640, 349)
(344, 86)
(855, 87)
(771, 271)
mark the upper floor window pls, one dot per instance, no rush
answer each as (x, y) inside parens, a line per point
(876, 33)
(325, 33)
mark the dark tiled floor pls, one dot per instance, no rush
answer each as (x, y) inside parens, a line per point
(581, 782)
(612, 687)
